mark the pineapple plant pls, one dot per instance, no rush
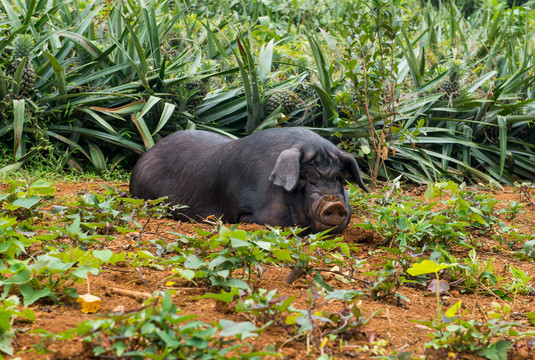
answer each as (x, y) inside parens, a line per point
(200, 89)
(285, 98)
(216, 83)
(213, 82)
(451, 86)
(492, 132)
(302, 62)
(277, 58)
(194, 91)
(304, 89)
(22, 47)
(307, 93)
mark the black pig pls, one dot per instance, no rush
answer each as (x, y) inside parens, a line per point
(280, 177)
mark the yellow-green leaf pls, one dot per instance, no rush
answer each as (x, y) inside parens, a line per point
(427, 267)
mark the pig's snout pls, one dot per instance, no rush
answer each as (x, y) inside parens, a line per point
(334, 213)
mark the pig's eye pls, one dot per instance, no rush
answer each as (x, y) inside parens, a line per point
(340, 177)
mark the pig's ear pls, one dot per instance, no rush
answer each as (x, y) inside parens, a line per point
(286, 170)
(350, 164)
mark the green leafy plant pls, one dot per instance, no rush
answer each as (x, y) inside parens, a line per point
(239, 251)
(143, 258)
(475, 208)
(526, 191)
(412, 223)
(53, 274)
(25, 200)
(389, 276)
(486, 338)
(9, 310)
(158, 330)
(512, 210)
(265, 306)
(250, 251)
(520, 281)
(409, 222)
(102, 214)
(428, 267)
(481, 276)
(12, 242)
(80, 237)
(324, 326)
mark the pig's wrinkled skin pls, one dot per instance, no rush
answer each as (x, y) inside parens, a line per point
(280, 177)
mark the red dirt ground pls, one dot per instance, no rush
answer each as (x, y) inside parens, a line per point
(394, 324)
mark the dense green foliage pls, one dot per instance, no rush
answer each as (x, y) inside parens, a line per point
(426, 89)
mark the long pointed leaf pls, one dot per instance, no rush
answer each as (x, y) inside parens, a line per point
(502, 123)
(58, 72)
(164, 118)
(61, 138)
(264, 60)
(18, 124)
(97, 157)
(101, 136)
(412, 61)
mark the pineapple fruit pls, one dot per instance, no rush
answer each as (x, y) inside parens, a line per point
(451, 86)
(198, 87)
(285, 98)
(22, 47)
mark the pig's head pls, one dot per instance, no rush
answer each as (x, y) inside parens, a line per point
(317, 179)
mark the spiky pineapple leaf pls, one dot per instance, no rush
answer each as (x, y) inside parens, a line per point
(167, 112)
(467, 134)
(58, 72)
(502, 123)
(122, 110)
(481, 80)
(328, 106)
(99, 120)
(19, 119)
(412, 61)
(81, 40)
(17, 76)
(49, 133)
(138, 50)
(3, 84)
(13, 17)
(143, 130)
(249, 76)
(322, 63)
(271, 120)
(97, 156)
(264, 60)
(451, 126)
(100, 136)
(153, 34)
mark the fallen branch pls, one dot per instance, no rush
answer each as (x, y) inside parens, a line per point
(138, 295)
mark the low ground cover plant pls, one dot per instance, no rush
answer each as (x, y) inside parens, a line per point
(228, 265)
